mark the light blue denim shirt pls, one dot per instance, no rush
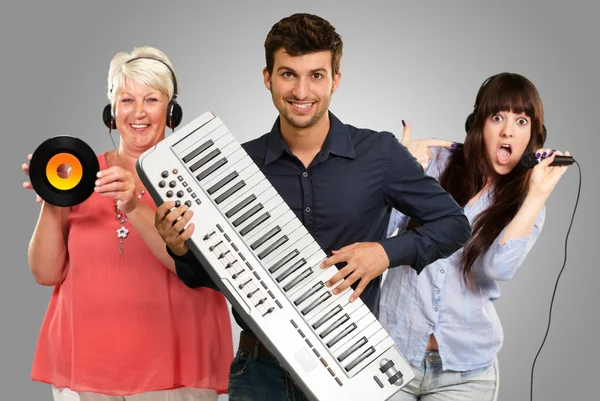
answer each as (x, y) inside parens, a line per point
(464, 321)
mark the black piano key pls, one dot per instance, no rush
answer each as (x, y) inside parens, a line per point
(230, 192)
(315, 303)
(248, 214)
(211, 169)
(343, 334)
(326, 317)
(283, 261)
(352, 349)
(297, 280)
(290, 270)
(343, 319)
(313, 290)
(255, 224)
(360, 358)
(240, 205)
(272, 247)
(222, 183)
(265, 237)
(205, 159)
(198, 150)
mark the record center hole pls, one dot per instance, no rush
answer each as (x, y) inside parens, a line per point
(64, 170)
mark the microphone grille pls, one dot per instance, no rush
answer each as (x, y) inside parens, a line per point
(528, 160)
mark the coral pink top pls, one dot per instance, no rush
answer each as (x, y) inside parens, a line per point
(125, 324)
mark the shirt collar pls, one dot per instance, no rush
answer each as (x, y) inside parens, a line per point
(337, 141)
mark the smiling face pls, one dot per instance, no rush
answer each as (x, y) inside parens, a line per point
(301, 87)
(141, 115)
(506, 136)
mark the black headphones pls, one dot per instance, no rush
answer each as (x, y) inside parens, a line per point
(174, 111)
(480, 93)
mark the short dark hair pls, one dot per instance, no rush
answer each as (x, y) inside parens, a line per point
(301, 34)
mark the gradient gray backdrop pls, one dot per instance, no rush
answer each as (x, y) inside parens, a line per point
(422, 63)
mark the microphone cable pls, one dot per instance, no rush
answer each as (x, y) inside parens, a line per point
(556, 284)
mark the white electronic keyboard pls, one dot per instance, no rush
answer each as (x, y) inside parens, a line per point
(266, 263)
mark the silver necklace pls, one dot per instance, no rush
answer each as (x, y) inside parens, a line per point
(123, 231)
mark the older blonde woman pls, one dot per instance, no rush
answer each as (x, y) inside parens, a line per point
(120, 325)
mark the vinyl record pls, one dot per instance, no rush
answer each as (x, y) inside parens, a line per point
(61, 189)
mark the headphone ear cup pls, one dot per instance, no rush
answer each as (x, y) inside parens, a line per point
(174, 115)
(107, 117)
(469, 122)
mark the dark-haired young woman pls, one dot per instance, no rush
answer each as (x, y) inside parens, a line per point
(444, 320)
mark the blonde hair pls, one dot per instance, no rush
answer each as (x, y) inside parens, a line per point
(147, 69)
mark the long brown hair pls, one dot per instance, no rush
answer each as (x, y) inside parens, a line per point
(468, 169)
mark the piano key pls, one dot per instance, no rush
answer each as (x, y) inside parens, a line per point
(224, 181)
(353, 348)
(199, 136)
(263, 254)
(322, 319)
(238, 162)
(306, 295)
(274, 209)
(250, 172)
(344, 330)
(298, 279)
(297, 241)
(293, 268)
(336, 323)
(261, 219)
(323, 297)
(198, 150)
(232, 190)
(277, 265)
(245, 202)
(205, 159)
(253, 210)
(364, 355)
(308, 272)
(250, 182)
(220, 163)
(368, 331)
(265, 237)
(286, 221)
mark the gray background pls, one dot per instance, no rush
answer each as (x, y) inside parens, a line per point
(420, 62)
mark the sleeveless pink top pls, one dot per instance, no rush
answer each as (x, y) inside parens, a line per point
(125, 324)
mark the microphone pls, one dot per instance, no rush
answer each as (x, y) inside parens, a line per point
(530, 161)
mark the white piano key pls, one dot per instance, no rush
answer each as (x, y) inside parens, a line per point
(189, 143)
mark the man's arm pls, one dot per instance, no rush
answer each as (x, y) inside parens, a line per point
(444, 227)
(407, 188)
(173, 228)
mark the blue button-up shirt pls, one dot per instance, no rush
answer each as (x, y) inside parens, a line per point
(464, 322)
(346, 195)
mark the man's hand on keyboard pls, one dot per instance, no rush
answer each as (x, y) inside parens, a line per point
(171, 225)
(365, 261)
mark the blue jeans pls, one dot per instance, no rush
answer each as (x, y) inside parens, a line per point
(431, 383)
(256, 378)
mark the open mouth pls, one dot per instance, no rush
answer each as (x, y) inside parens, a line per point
(503, 154)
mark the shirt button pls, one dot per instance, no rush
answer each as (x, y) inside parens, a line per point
(441, 270)
(305, 174)
(307, 210)
(437, 291)
(435, 309)
(432, 328)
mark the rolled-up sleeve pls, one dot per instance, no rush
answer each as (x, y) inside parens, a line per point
(500, 262)
(444, 227)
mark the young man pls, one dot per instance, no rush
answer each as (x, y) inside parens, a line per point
(342, 183)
